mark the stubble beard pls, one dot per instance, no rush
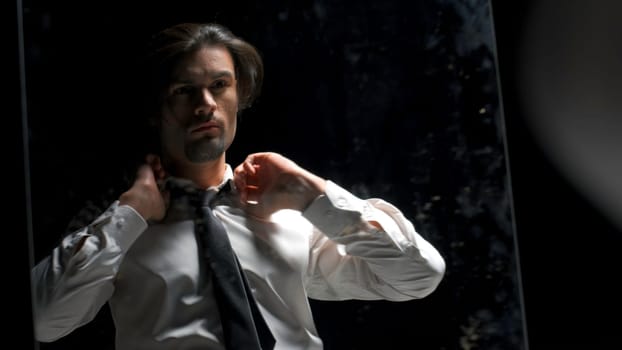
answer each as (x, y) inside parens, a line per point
(205, 149)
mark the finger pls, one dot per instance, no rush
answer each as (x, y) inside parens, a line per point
(250, 168)
(150, 158)
(239, 180)
(239, 176)
(242, 193)
(156, 165)
(252, 195)
(238, 169)
(144, 174)
(159, 170)
(166, 195)
(248, 191)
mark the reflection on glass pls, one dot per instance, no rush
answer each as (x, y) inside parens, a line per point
(397, 100)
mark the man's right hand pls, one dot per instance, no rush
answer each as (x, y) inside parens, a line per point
(145, 196)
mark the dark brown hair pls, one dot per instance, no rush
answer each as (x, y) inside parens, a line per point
(168, 46)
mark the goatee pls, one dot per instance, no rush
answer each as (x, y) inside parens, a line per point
(205, 149)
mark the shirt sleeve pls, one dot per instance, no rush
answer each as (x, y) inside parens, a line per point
(353, 259)
(76, 279)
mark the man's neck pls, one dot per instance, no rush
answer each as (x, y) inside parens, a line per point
(204, 175)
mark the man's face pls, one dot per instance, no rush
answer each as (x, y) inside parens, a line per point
(199, 108)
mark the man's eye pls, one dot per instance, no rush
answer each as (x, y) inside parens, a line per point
(183, 90)
(219, 84)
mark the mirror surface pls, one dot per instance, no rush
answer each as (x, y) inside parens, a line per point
(390, 99)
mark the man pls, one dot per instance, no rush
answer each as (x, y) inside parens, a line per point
(295, 234)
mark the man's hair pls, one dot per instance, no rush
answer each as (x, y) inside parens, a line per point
(167, 47)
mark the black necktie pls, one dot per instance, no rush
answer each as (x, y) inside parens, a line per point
(243, 326)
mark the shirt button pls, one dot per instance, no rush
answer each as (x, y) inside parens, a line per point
(341, 202)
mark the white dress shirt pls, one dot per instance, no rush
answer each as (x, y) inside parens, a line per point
(161, 298)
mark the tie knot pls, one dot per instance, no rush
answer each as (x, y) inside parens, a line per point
(196, 196)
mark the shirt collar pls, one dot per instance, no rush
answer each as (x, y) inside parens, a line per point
(183, 182)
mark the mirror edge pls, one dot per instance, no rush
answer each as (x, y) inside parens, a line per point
(495, 9)
(18, 241)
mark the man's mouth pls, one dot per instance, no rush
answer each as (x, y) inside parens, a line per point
(205, 126)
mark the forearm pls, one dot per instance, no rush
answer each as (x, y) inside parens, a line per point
(76, 279)
(369, 250)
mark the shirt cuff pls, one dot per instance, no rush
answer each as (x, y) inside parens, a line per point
(124, 225)
(337, 211)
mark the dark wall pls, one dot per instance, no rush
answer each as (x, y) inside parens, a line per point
(391, 99)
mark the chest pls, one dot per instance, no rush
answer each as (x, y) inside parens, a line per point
(273, 252)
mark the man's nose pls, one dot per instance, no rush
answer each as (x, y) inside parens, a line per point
(205, 104)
